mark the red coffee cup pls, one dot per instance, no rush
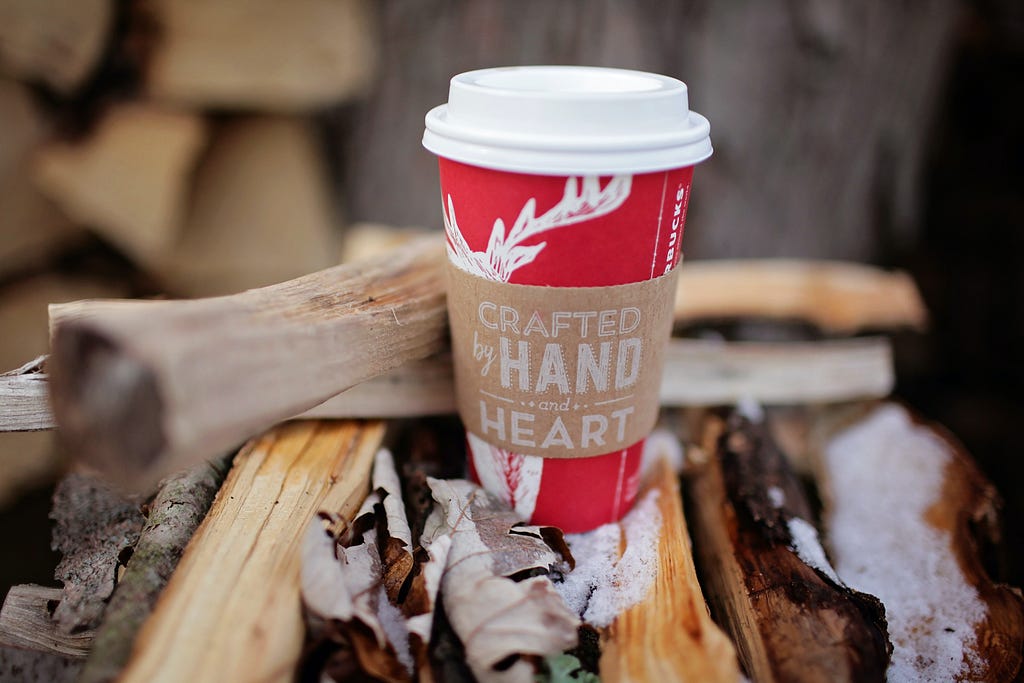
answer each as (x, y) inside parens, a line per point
(564, 194)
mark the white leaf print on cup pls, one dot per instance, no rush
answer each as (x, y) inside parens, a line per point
(582, 200)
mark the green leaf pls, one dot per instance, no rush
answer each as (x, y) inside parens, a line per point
(565, 668)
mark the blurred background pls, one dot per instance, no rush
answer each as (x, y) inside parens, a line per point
(197, 147)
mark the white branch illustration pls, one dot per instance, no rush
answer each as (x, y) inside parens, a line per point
(582, 200)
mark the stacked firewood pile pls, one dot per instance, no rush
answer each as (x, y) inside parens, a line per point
(162, 147)
(819, 531)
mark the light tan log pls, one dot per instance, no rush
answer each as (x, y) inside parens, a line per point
(264, 55)
(129, 179)
(838, 297)
(260, 211)
(58, 42)
(145, 388)
(31, 226)
(25, 622)
(669, 636)
(231, 611)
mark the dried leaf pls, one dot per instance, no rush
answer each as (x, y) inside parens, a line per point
(393, 534)
(504, 625)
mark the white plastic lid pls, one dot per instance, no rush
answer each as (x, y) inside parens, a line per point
(564, 120)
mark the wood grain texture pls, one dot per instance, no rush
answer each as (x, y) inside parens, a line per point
(25, 622)
(145, 388)
(670, 635)
(24, 399)
(789, 88)
(232, 611)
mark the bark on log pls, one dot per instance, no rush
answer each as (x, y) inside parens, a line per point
(143, 388)
(58, 42)
(947, 618)
(175, 513)
(232, 609)
(669, 636)
(791, 618)
(262, 55)
(93, 526)
(147, 154)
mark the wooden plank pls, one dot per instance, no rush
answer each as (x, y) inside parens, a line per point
(25, 622)
(670, 635)
(145, 388)
(232, 611)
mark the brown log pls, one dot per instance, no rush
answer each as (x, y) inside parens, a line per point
(261, 55)
(260, 211)
(669, 636)
(144, 388)
(129, 179)
(232, 609)
(31, 227)
(58, 42)
(790, 618)
(948, 618)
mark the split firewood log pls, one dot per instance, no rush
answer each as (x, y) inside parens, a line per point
(58, 42)
(261, 55)
(128, 179)
(231, 610)
(31, 226)
(260, 211)
(908, 517)
(32, 648)
(767, 578)
(669, 635)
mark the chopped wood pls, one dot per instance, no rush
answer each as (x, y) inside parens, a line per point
(669, 636)
(93, 526)
(263, 55)
(24, 665)
(129, 179)
(908, 517)
(838, 297)
(766, 575)
(174, 515)
(231, 611)
(31, 227)
(144, 388)
(261, 210)
(24, 401)
(59, 42)
(26, 621)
